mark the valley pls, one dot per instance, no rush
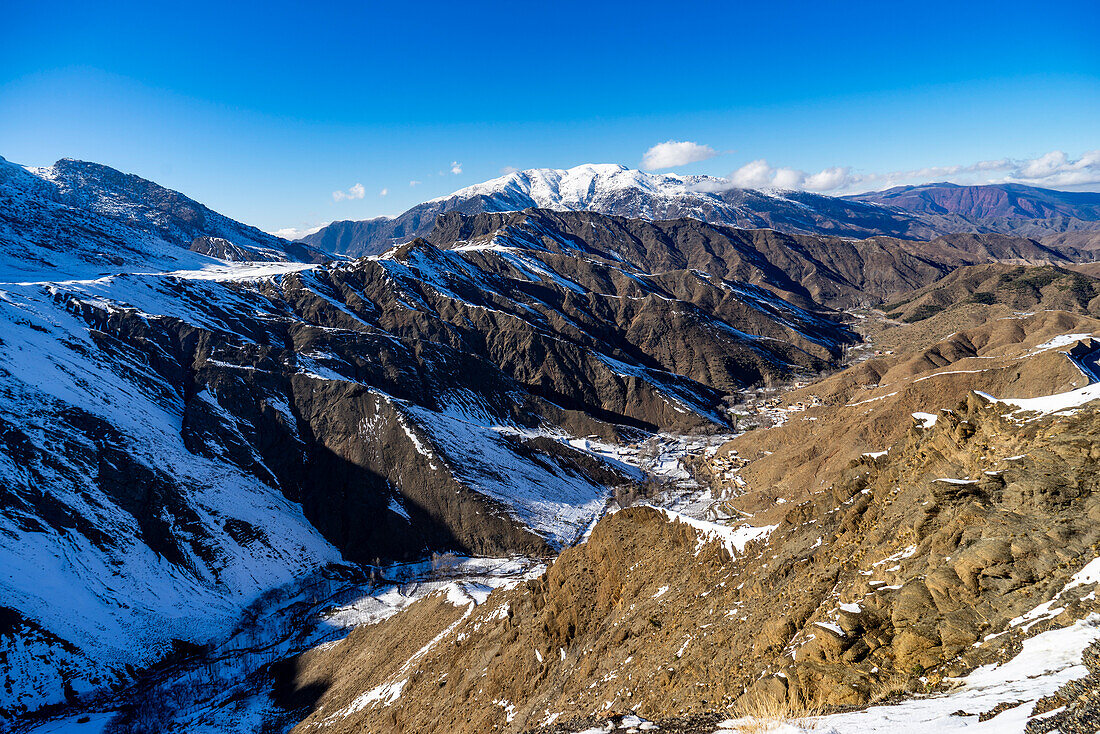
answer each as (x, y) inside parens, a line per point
(553, 459)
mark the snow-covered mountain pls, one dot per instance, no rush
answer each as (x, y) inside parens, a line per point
(80, 219)
(621, 191)
(592, 187)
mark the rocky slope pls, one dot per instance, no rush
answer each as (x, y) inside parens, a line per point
(868, 406)
(80, 219)
(805, 269)
(1079, 245)
(899, 575)
(1017, 287)
(617, 190)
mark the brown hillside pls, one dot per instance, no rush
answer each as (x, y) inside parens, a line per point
(868, 406)
(884, 576)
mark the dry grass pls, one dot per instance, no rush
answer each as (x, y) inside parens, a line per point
(759, 714)
(889, 687)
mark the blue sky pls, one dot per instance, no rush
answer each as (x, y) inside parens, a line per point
(263, 110)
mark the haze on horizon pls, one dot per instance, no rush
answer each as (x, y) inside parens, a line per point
(287, 117)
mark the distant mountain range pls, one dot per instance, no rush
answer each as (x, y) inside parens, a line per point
(991, 200)
(917, 212)
(1005, 208)
(82, 219)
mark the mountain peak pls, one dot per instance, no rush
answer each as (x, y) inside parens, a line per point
(583, 186)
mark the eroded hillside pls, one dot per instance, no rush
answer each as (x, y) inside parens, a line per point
(958, 533)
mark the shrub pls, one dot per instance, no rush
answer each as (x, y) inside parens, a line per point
(924, 311)
(985, 297)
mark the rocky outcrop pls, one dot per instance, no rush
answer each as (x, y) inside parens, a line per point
(986, 516)
(1075, 707)
(223, 249)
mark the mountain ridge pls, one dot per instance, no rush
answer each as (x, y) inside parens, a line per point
(805, 269)
(82, 219)
(948, 198)
(1007, 208)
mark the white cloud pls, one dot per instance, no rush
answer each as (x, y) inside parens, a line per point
(1054, 169)
(788, 178)
(384, 192)
(456, 167)
(830, 179)
(753, 175)
(759, 174)
(1045, 165)
(508, 169)
(414, 182)
(355, 192)
(296, 233)
(675, 153)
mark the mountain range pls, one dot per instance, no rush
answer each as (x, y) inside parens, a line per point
(210, 430)
(248, 484)
(914, 212)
